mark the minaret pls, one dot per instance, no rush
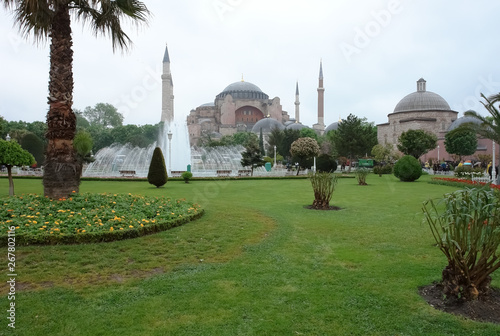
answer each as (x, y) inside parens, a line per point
(167, 90)
(297, 103)
(320, 126)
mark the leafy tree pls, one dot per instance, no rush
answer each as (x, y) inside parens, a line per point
(242, 138)
(307, 132)
(252, 156)
(275, 138)
(83, 145)
(157, 174)
(303, 150)
(35, 146)
(12, 154)
(326, 163)
(460, 141)
(39, 128)
(103, 114)
(354, 137)
(289, 136)
(52, 20)
(81, 122)
(416, 142)
(384, 153)
(102, 137)
(3, 127)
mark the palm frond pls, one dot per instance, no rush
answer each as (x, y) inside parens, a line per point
(105, 18)
(32, 17)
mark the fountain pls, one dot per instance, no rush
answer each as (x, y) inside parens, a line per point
(110, 160)
(204, 161)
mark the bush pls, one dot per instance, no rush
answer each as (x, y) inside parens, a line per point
(468, 172)
(323, 186)
(186, 176)
(157, 174)
(407, 169)
(326, 163)
(380, 170)
(467, 230)
(361, 174)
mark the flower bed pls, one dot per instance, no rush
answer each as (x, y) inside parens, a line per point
(461, 182)
(90, 218)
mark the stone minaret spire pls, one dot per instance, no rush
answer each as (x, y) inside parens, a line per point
(167, 90)
(320, 126)
(297, 103)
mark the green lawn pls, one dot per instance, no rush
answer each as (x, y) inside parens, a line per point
(257, 263)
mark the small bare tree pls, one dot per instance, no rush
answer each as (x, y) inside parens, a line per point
(323, 185)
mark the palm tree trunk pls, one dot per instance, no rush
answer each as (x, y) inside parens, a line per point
(61, 172)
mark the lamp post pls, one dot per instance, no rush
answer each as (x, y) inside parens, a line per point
(493, 169)
(274, 156)
(438, 154)
(169, 134)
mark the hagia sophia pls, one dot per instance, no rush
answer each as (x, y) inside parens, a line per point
(243, 106)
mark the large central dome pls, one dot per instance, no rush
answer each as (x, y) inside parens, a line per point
(243, 90)
(422, 100)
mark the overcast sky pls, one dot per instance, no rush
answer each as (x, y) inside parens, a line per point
(373, 53)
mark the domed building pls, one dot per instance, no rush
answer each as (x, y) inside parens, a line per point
(243, 106)
(239, 107)
(422, 109)
(427, 111)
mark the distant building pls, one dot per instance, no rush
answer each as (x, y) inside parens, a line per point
(427, 111)
(243, 106)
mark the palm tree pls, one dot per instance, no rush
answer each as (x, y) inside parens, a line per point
(489, 126)
(51, 19)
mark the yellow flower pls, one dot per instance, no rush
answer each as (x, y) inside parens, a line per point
(142, 225)
(130, 226)
(17, 227)
(83, 231)
(121, 228)
(111, 229)
(34, 222)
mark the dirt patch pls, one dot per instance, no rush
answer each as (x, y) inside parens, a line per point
(484, 309)
(331, 207)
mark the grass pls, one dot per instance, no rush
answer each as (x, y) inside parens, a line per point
(257, 263)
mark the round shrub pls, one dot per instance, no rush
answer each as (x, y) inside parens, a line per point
(407, 169)
(326, 163)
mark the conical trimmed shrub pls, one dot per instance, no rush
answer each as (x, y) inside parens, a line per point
(157, 174)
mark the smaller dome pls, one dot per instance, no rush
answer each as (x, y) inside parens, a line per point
(332, 127)
(289, 122)
(207, 104)
(267, 125)
(462, 120)
(296, 126)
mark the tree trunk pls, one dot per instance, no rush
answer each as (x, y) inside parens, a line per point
(11, 181)
(61, 172)
(456, 284)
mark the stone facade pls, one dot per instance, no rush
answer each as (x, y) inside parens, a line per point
(237, 108)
